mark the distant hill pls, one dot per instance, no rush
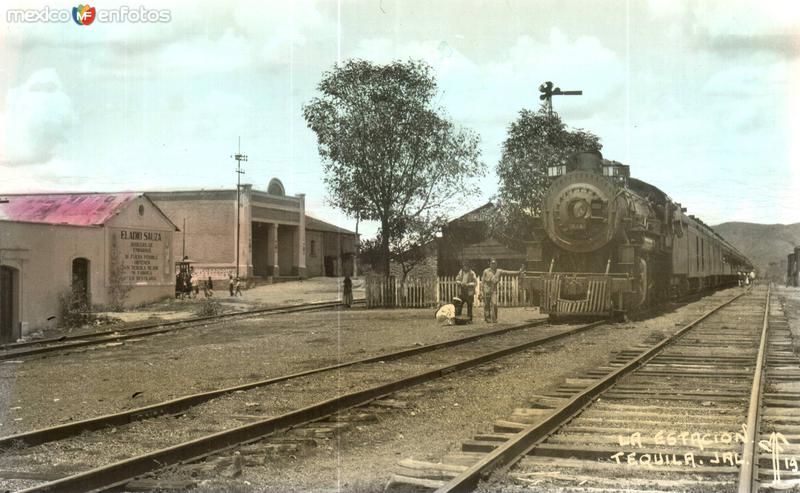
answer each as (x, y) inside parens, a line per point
(764, 244)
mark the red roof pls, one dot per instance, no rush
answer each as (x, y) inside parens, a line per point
(74, 209)
(315, 224)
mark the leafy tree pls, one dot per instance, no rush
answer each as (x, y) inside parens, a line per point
(388, 153)
(536, 141)
(407, 252)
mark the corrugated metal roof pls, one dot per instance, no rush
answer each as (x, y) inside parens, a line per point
(319, 225)
(73, 209)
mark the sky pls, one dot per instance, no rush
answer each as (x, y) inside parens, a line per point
(698, 98)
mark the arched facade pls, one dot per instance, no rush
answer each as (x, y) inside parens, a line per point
(275, 187)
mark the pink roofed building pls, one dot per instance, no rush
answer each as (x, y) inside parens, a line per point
(86, 243)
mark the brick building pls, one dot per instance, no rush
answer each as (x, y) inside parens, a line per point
(276, 237)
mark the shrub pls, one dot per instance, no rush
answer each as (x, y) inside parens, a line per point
(118, 289)
(209, 308)
(73, 310)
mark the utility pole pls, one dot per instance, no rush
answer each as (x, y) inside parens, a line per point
(548, 91)
(239, 157)
(355, 257)
(4, 201)
(183, 256)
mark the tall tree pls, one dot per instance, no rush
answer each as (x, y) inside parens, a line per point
(389, 154)
(536, 141)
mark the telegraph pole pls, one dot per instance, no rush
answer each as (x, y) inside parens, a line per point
(184, 239)
(239, 157)
(548, 91)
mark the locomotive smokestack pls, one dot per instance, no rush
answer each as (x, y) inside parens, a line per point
(591, 161)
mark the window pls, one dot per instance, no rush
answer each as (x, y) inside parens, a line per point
(312, 248)
(553, 171)
(697, 251)
(703, 253)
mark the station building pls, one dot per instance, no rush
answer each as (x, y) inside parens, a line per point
(277, 240)
(93, 245)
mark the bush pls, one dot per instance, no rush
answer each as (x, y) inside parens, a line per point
(209, 308)
(118, 290)
(73, 310)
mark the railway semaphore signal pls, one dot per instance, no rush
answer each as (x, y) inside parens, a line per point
(548, 91)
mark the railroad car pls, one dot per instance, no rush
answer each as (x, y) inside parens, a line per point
(792, 270)
(606, 243)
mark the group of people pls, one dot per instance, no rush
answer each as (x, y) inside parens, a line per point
(185, 287)
(234, 285)
(745, 278)
(467, 283)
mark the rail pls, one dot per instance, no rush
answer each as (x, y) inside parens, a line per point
(73, 341)
(173, 406)
(119, 473)
(748, 473)
(507, 454)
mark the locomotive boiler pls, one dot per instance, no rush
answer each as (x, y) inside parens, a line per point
(606, 243)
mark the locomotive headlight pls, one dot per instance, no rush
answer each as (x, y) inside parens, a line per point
(578, 209)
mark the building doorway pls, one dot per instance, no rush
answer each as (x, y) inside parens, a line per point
(261, 260)
(80, 281)
(286, 250)
(330, 266)
(9, 308)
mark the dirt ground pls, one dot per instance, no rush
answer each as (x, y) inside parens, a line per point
(790, 297)
(90, 382)
(62, 387)
(449, 411)
(265, 295)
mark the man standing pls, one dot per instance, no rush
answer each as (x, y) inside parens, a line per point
(489, 280)
(347, 295)
(466, 280)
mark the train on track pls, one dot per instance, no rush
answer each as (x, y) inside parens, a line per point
(792, 272)
(606, 243)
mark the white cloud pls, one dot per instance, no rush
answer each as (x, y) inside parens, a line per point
(572, 64)
(493, 92)
(746, 18)
(39, 117)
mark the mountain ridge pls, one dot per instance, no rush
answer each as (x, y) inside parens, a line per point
(766, 245)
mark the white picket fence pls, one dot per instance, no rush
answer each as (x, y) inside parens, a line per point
(382, 292)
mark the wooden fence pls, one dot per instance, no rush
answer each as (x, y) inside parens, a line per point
(382, 292)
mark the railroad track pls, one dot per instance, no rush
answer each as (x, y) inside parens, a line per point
(24, 349)
(670, 416)
(773, 462)
(307, 412)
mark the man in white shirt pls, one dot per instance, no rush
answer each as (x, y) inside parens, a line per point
(489, 280)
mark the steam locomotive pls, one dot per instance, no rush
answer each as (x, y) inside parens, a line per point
(606, 244)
